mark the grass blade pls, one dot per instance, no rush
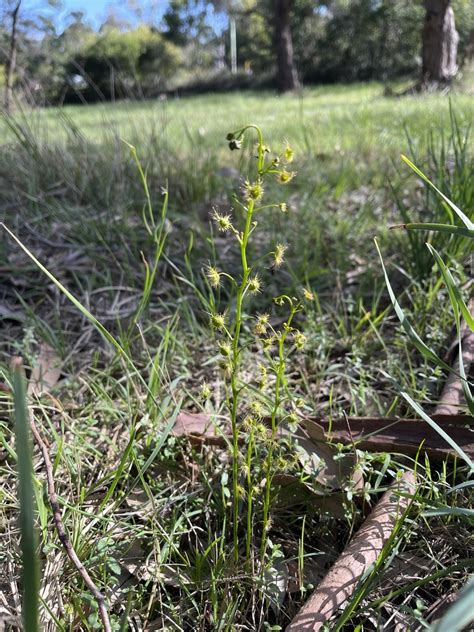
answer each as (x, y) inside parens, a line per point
(414, 337)
(457, 300)
(30, 565)
(465, 220)
(419, 410)
(459, 231)
(460, 614)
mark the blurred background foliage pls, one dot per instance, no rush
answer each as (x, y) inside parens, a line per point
(188, 46)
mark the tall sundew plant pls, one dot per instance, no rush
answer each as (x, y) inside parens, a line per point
(276, 343)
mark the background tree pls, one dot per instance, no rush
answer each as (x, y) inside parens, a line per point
(287, 76)
(440, 43)
(12, 11)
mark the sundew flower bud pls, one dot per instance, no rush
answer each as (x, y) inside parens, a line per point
(292, 420)
(214, 276)
(289, 154)
(235, 144)
(204, 391)
(260, 328)
(263, 377)
(225, 349)
(279, 255)
(257, 409)
(255, 284)
(218, 321)
(223, 222)
(226, 368)
(300, 339)
(308, 295)
(285, 176)
(268, 342)
(254, 190)
(248, 423)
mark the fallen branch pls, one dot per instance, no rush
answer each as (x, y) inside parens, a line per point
(452, 395)
(374, 434)
(404, 436)
(363, 550)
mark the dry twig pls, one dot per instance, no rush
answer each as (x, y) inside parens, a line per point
(46, 374)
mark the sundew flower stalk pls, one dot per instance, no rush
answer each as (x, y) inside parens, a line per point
(246, 283)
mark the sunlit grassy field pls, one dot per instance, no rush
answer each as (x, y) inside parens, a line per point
(357, 119)
(148, 511)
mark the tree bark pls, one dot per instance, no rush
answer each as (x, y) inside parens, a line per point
(11, 61)
(440, 43)
(287, 77)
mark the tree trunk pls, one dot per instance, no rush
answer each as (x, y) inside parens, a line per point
(11, 61)
(440, 43)
(287, 77)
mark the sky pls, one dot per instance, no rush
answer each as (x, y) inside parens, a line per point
(96, 11)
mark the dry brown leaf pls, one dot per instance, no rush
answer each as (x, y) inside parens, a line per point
(335, 473)
(197, 425)
(46, 372)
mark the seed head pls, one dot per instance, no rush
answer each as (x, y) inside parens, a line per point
(279, 255)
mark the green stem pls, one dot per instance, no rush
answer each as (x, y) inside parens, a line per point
(280, 369)
(235, 391)
(233, 379)
(250, 449)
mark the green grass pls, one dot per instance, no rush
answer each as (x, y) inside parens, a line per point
(148, 512)
(356, 119)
